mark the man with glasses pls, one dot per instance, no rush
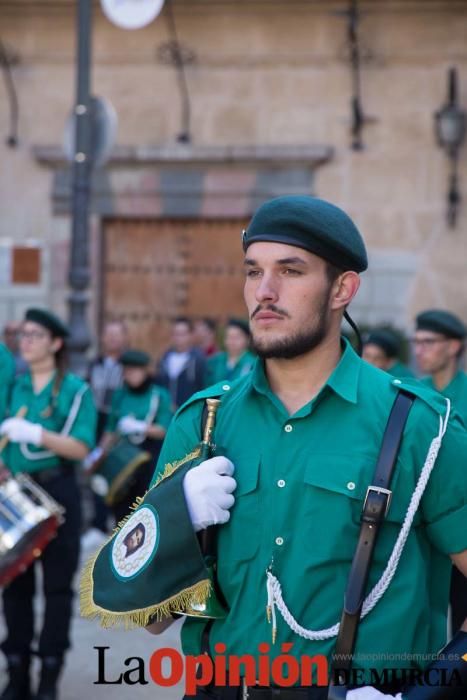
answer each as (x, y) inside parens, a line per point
(439, 344)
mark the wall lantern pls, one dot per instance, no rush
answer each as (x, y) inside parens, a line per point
(450, 125)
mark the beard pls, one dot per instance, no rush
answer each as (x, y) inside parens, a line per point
(300, 343)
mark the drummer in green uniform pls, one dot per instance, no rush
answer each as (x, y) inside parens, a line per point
(300, 436)
(51, 427)
(439, 345)
(237, 360)
(140, 414)
(381, 348)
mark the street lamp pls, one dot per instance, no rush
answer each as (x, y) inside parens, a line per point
(450, 125)
(79, 275)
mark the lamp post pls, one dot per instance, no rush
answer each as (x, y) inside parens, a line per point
(79, 274)
(450, 125)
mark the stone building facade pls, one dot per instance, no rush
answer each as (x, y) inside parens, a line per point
(270, 89)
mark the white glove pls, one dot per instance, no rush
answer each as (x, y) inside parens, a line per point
(369, 693)
(208, 492)
(130, 426)
(21, 430)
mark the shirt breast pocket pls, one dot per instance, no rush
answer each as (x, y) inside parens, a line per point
(335, 490)
(239, 539)
(333, 495)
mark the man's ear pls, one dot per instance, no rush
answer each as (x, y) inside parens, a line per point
(344, 289)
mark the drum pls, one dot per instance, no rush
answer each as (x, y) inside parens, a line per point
(29, 519)
(117, 471)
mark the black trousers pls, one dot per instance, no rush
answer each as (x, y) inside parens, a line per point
(458, 599)
(59, 562)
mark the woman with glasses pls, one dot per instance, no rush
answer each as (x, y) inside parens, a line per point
(56, 432)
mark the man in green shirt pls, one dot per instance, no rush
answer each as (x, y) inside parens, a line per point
(381, 348)
(439, 346)
(301, 435)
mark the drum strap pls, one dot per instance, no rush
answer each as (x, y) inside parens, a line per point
(375, 508)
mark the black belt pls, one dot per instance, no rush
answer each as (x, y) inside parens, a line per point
(43, 476)
(257, 693)
(261, 693)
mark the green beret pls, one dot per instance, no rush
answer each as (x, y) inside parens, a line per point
(47, 320)
(312, 224)
(135, 358)
(440, 321)
(384, 339)
(240, 323)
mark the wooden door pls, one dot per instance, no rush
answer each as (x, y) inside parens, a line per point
(154, 271)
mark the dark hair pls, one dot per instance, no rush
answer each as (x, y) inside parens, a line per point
(61, 365)
(211, 323)
(183, 319)
(332, 272)
(241, 324)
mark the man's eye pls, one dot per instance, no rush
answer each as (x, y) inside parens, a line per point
(252, 273)
(289, 271)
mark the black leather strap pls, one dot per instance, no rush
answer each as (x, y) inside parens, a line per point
(374, 510)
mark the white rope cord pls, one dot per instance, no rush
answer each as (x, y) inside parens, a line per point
(274, 590)
(138, 438)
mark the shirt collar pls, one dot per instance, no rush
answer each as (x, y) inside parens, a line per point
(343, 381)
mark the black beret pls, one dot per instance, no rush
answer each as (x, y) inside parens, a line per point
(440, 321)
(47, 320)
(239, 323)
(384, 339)
(312, 224)
(135, 358)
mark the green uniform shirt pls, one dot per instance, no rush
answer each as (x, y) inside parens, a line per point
(7, 372)
(218, 369)
(301, 482)
(456, 391)
(153, 405)
(399, 370)
(72, 413)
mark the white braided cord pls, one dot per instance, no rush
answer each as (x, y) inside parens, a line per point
(274, 590)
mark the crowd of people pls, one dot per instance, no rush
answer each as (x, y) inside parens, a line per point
(111, 427)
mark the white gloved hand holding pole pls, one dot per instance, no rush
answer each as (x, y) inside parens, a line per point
(22, 430)
(131, 426)
(208, 492)
(367, 692)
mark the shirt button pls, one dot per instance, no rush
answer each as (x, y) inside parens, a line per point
(396, 381)
(288, 428)
(226, 387)
(351, 486)
(281, 483)
(279, 541)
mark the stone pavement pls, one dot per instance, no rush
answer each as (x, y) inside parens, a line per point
(82, 661)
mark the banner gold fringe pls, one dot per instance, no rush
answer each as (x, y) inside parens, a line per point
(170, 467)
(141, 617)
